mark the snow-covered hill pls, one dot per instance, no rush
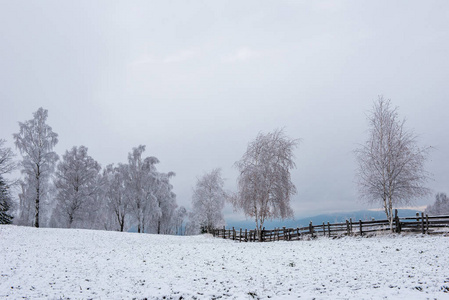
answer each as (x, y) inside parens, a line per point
(61, 263)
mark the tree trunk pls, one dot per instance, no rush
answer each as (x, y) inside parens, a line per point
(122, 223)
(70, 221)
(36, 213)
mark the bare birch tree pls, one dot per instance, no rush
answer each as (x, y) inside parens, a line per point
(208, 201)
(390, 163)
(35, 142)
(264, 184)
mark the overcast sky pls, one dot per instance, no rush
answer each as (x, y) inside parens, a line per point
(195, 81)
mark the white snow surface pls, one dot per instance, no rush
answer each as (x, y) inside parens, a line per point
(40, 263)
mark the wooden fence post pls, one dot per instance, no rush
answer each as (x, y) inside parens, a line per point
(240, 236)
(224, 232)
(422, 223)
(347, 227)
(417, 220)
(262, 235)
(297, 231)
(329, 228)
(324, 229)
(233, 234)
(360, 226)
(396, 220)
(350, 221)
(311, 229)
(246, 235)
(427, 223)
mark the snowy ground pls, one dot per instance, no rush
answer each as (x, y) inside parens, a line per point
(82, 264)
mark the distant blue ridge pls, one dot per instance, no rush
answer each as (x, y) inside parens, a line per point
(341, 217)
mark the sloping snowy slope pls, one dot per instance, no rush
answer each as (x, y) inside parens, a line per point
(61, 263)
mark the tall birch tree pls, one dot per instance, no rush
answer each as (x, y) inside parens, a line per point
(142, 175)
(390, 163)
(35, 142)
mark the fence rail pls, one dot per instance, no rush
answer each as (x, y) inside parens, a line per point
(420, 223)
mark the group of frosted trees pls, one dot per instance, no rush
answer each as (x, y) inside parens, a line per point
(390, 172)
(265, 187)
(75, 192)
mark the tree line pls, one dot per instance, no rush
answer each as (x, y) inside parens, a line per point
(78, 193)
(73, 191)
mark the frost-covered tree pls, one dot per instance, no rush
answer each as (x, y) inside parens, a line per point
(264, 184)
(208, 201)
(142, 177)
(117, 201)
(7, 163)
(390, 163)
(5, 203)
(35, 142)
(26, 196)
(440, 206)
(165, 208)
(77, 184)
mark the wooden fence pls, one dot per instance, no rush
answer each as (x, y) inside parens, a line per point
(420, 223)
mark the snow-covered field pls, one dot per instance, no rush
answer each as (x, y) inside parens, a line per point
(81, 264)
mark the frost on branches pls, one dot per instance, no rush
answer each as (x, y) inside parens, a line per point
(151, 199)
(208, 201)
(35, 142)
(390, 163)
(165, 208)
(7, 163)
(264, 185)
(77, 184)
(115, 196)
